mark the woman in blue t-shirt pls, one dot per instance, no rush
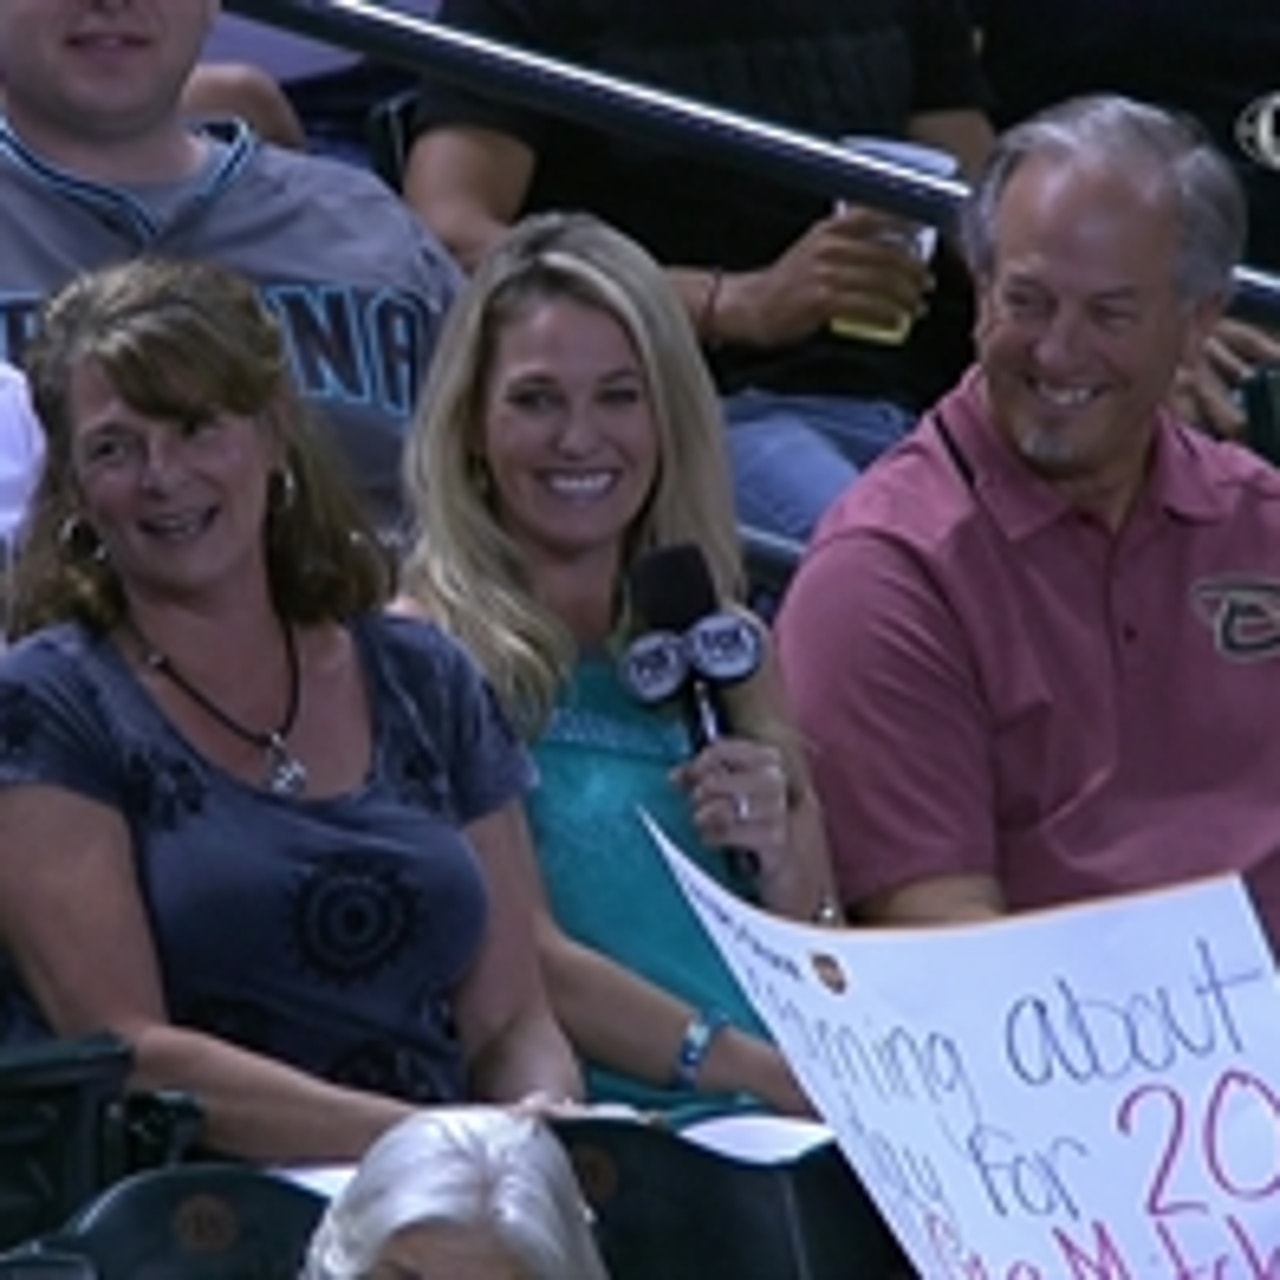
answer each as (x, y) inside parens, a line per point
(269, 834)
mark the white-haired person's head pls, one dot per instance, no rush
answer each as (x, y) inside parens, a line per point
(468, 1193)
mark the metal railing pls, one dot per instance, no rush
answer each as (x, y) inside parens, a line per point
(559, 88)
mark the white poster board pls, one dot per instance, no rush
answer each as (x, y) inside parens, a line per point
(1088, 1093)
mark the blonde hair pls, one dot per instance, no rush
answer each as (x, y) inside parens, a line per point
(463, 567)
(475, 1168)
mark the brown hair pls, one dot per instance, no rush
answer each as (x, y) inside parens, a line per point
(183, 341)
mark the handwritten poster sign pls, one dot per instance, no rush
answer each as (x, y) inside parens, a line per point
(1090, 1093)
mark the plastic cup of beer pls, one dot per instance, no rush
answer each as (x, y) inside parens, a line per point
(920, 238)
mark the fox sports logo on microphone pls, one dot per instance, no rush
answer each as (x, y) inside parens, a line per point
(1258, 130)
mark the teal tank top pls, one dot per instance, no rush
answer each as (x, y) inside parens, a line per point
(603, 757)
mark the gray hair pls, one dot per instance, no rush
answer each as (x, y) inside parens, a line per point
(1134, 137)
(479, 1168)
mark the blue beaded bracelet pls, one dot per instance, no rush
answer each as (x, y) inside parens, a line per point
(703, 1028)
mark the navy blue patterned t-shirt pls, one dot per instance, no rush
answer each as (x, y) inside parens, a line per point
(326, 933)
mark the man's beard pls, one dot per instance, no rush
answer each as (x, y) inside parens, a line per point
(1053, 452)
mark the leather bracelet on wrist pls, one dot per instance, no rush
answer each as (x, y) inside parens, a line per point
(706, 326)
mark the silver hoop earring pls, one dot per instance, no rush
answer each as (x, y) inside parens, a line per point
(286, 489)
(79, 540)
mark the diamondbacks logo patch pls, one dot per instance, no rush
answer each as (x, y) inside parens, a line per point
(1244, 615)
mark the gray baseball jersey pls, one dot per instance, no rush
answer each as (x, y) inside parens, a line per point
(358, 283)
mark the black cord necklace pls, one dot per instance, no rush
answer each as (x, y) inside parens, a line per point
(286, 774)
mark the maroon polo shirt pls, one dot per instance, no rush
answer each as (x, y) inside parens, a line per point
(992, 682)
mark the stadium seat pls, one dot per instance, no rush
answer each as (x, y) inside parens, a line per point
(669, 1209)
(770, 560)
(59, 1107)
(189, 1222)
(68, 1129)
(389, 132)
(25, 1265)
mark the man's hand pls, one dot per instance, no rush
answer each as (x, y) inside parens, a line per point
(856, 264)
(1206, 394)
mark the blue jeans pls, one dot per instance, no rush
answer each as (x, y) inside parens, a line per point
(793, 455)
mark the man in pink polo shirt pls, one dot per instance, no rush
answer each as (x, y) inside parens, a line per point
(1036, 649)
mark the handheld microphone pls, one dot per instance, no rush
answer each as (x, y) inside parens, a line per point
(690, 650)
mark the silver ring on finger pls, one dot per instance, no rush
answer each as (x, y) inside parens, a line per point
(742, 806)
